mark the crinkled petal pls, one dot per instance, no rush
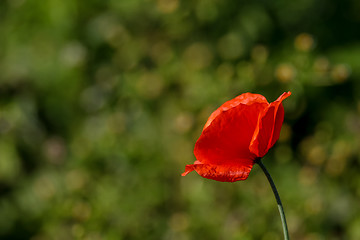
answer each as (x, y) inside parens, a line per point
(223, 173)
(268, 127)
(189, 168)
(226, 140)
(245, 99)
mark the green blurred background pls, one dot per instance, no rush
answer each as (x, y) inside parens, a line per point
(101, 103)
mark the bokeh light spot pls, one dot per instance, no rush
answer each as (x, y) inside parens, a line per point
(285, 72)
(304, 42)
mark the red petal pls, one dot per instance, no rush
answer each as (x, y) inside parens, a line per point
(226, 140)
(223, 173)
(268, 127)
(188, 169)
(245, 98)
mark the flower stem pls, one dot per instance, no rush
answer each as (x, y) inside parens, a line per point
(277, 197)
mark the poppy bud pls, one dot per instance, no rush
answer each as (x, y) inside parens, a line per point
(238, 133)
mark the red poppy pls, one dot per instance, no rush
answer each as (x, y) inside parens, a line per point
(238, 133)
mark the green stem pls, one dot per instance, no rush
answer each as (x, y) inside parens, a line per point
(280, 206)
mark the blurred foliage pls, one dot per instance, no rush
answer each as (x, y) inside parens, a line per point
(101, 103)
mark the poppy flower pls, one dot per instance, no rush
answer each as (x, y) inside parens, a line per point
(236, 136)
